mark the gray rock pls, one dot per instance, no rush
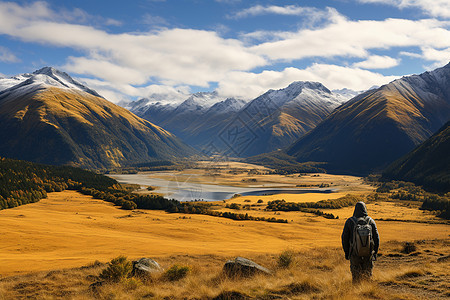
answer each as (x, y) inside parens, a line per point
(145, 266)
(243, 267)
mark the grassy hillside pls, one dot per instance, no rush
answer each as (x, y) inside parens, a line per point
(62, 126)
(427, 165)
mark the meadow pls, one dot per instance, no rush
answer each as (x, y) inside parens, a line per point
(56, 247)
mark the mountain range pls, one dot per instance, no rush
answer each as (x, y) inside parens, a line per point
(379, 126)
(237, 128)
(48, 117)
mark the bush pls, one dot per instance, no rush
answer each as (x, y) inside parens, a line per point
(409, 248)
(176, 272)
(285, 259)
(118, 269)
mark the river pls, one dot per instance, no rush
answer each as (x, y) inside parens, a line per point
(191, 191)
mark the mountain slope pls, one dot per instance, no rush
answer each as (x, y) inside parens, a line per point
(427, 165)
(379, 126)
(52, 119)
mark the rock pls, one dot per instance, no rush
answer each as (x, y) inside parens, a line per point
(145, 266)
(243, 267)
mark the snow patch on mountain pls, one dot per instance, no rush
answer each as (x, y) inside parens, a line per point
(41, 79)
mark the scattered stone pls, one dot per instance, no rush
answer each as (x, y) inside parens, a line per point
(145, 266)
(243, 267)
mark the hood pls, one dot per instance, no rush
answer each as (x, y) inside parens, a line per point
(360, 210)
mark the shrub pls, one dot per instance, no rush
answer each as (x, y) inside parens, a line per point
(176, 272)
(118, 269)
(285, 259)
(409, 248)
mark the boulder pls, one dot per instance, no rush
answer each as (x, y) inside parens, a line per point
(145, 266)
(243, 267)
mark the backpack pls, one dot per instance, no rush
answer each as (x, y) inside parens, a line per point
(362, 244)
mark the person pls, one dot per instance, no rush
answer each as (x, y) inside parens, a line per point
(361, 260)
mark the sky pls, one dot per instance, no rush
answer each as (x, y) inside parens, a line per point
(127, 50)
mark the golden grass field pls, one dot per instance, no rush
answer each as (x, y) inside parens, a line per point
(44, 244)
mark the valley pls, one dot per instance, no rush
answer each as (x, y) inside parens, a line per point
(245, 179)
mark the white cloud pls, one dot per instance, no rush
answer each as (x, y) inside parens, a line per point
(354, 38)
(435, 8)
(7, 56)
(311, 15)
(332, 76)
(125, 63)
(153, 20)
(377, 62)
(439, 56)
(121, 93)
(176, 56)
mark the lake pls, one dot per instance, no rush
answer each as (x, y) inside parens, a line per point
(191, 191)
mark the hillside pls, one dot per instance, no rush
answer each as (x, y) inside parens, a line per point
(50, 118)
(427, 165)
(379, 126)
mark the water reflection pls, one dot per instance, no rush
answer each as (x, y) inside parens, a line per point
(190, 191)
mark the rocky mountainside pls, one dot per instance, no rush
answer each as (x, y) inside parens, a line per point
(379, 126)
(427, 165)
(50, 118)
(234, 127)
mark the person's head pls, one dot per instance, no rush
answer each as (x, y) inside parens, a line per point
(360, 210)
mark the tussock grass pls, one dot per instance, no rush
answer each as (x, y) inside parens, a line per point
(320, 273)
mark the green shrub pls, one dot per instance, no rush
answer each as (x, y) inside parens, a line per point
(118, 269)
(176, 272)
(285, 259)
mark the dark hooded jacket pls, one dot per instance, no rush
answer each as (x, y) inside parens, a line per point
(347, 234)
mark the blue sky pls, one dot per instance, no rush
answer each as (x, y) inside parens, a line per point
(132, 49)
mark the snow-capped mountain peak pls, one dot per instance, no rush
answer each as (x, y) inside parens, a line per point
(228, 105)
(200, 101)
(43, 78)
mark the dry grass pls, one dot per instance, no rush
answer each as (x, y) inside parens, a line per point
(69, 230)
(320, 273)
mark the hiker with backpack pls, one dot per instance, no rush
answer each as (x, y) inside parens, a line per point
(360, 241)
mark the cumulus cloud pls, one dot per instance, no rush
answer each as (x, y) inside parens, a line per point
(188, 56)
(311, 16)
(7, 56)
(332, 76)
(124, 64)
(377, 62)
(354, 38)
(439, 56)
(121, 93)
(435, 8)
